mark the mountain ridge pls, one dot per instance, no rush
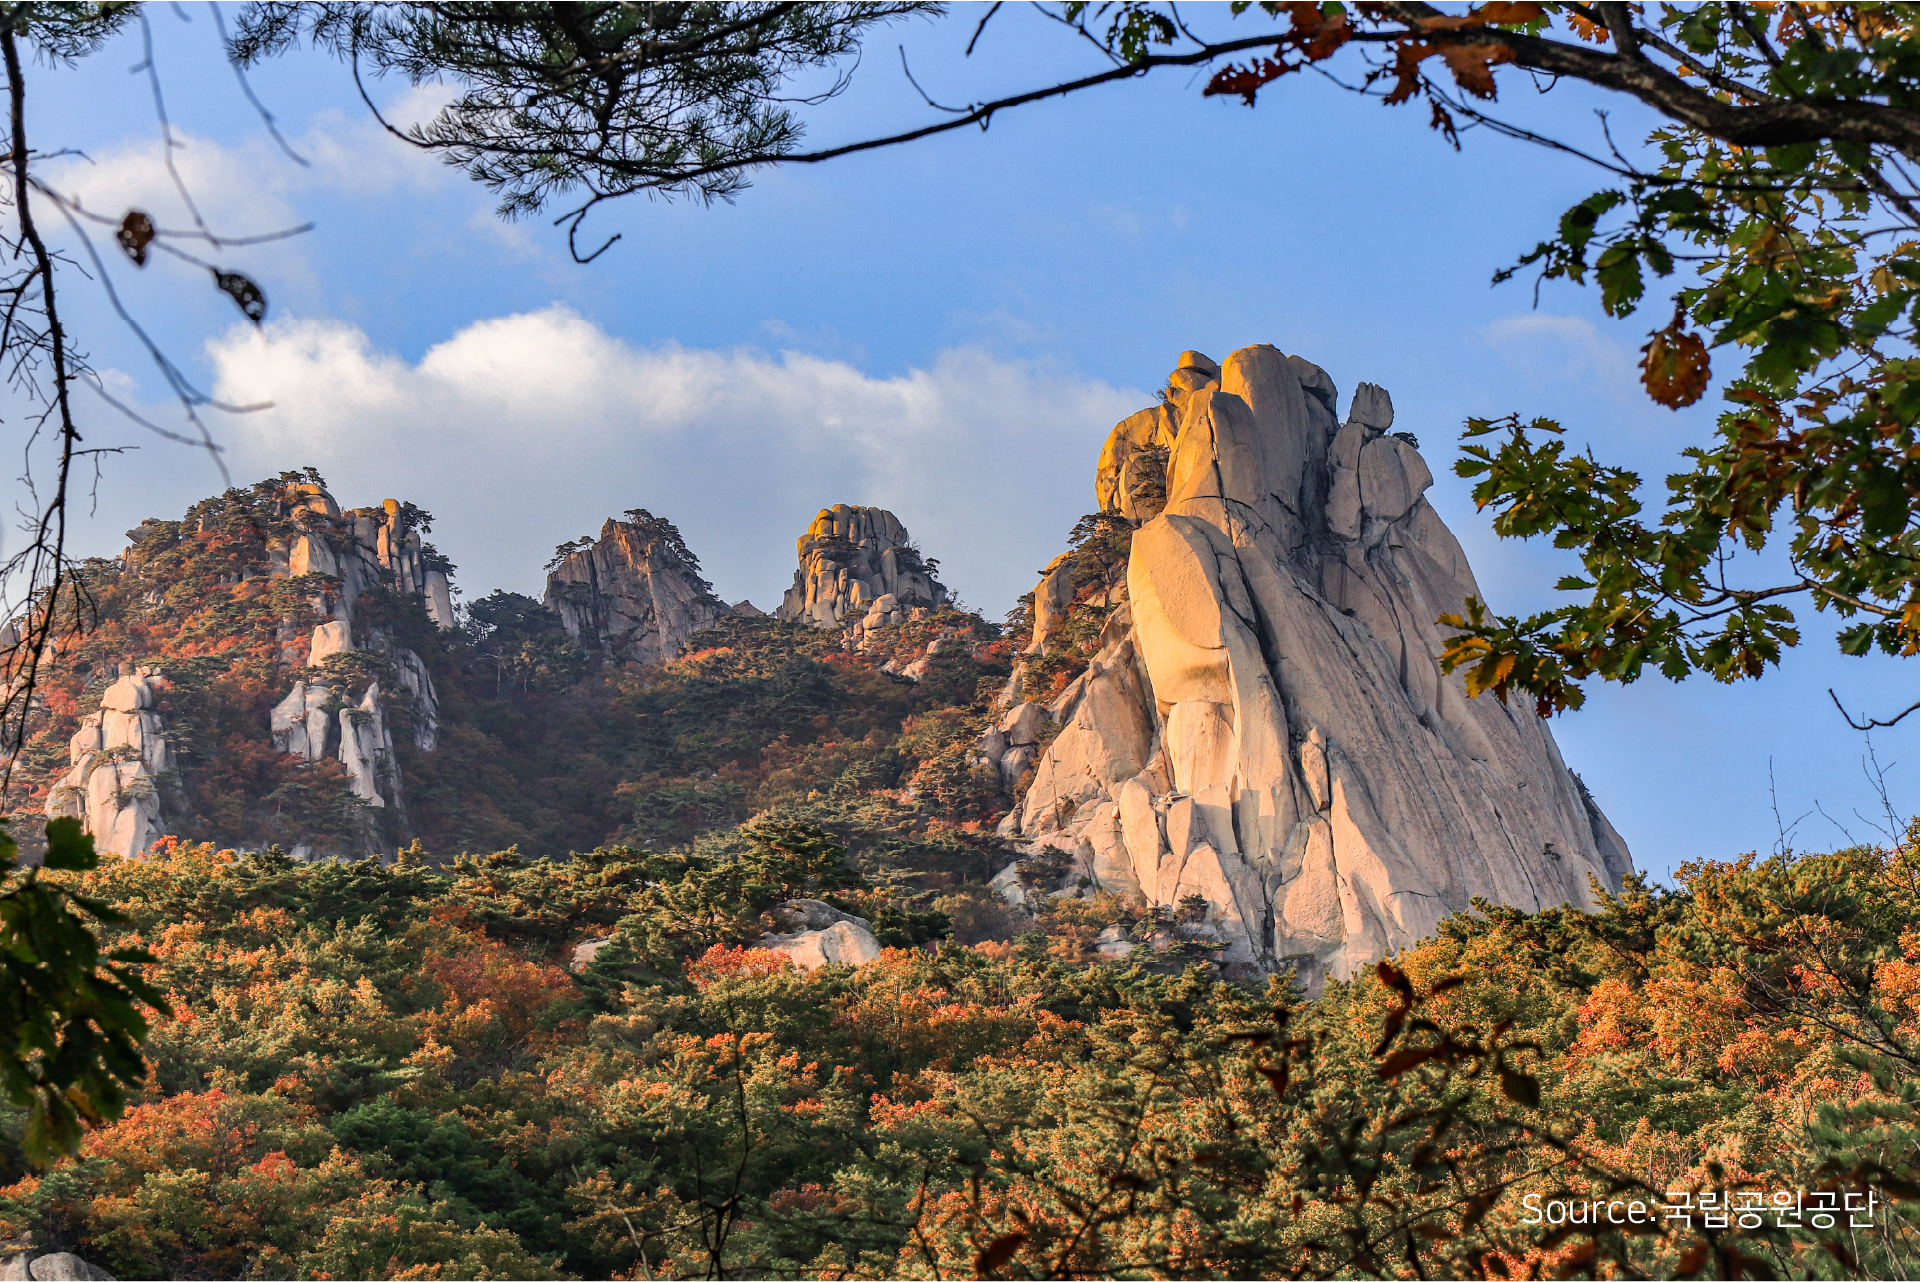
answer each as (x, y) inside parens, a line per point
(1220, 705)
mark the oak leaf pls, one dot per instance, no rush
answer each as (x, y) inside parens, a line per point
(1674, 366)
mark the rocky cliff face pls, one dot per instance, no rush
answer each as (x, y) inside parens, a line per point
(351, 683)
(857, 562)
(1265, 738)
(117, 757)
(635, 592)
(335, 708)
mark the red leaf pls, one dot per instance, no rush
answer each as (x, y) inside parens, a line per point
(1674, 366)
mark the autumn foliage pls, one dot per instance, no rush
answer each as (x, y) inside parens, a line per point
(395, 1071)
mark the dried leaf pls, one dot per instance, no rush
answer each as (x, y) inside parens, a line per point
(1691, 1260)
(1592, 32)
(1400, 1061)
(1408, 56)
(1496, 11)
(1277, 1078)
(135, 233)
(1392, 977)
(997, 1253)
(1391, 1028)
(1314, 36)
(1674, 366)
(1245, 82)
(1473, 65)
(1520, 1087)
(1508, 11)
(245, 294)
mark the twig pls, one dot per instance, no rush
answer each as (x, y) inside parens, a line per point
(246, 87)
(1872, 724)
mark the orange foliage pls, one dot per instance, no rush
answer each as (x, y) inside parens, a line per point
(723, 961)
(495, 997)
(211, 1131)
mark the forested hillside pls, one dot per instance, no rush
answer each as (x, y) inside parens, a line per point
(541, 741)
(390, 1071)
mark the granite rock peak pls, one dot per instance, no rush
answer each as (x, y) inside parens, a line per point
(1265, 726)
(857, 564)
(634, 592)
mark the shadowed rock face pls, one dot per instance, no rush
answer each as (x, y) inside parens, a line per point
(850, 559)
(1266, 725)
(635, 591)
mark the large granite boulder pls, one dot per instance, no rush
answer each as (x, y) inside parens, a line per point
(50, 1266)
(818, 934)
(636, 591)
(857, 565)
(1266, 725)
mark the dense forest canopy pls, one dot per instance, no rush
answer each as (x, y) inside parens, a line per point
(392, 1071)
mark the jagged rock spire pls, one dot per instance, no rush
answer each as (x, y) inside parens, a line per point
(636, 591)
(850, 559)
(119, 780)
(1266, 726)
(116, 760)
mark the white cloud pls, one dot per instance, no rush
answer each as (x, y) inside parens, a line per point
(526, 430)
(253, 188)
(1562, 348)
(234, 188)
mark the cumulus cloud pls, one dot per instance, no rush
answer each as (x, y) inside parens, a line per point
(1564, 347)
(251, 188)
(523, 431)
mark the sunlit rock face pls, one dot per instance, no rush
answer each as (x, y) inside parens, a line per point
(1266, 725)
(116, 760)
(352, 684)
(336, 708)
(853, 559)
(635, 592)
(819, 934)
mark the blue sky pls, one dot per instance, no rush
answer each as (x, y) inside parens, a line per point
(947, 330)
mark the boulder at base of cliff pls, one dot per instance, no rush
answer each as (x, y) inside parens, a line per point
(819, 935)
